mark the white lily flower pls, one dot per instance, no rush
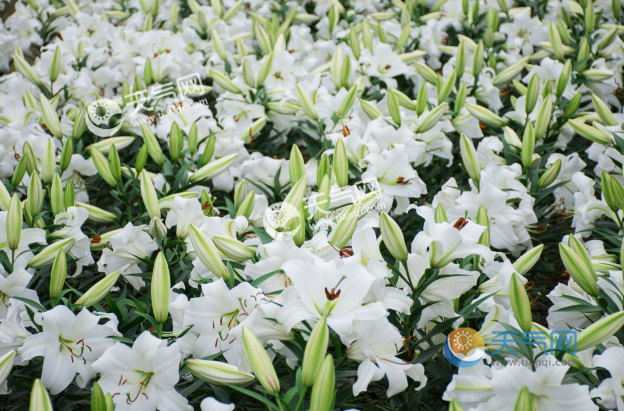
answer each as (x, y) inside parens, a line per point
(182, 213)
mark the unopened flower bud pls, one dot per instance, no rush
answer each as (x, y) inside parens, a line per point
(315, 351)
(39, 398)
(66, 154)
(392, 237)
(96, 214)
(528, 145)
(58, 274)
(224, 81)
(599, 331)
(153, 147)
(14, 223)
(347, 221)
(544, 116)
(510, 72)
(212, 169)
(247, 205)
(34, 194)
(341, 164)
(103, 167)
(218, 373)
(469, 157)
(296, 166)
(581, 274)
(193, 139)
(161, 285)
(431, 118)
(48, 161)
(485, 116)
(207, 253)
(604, 111)
(323, 198)
(46, 257)
(440, 214)
(233, 249)
(550, 175)
(532, 93)
(176, 141)
(50, 117)
(100, 290)
(322, 395)
(148, 193)
(114, 163)
(393, 107)
(260, 362)
(520, 303)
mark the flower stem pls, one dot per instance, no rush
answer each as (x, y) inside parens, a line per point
(301, 397)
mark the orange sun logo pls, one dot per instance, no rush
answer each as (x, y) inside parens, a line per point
(463, 340)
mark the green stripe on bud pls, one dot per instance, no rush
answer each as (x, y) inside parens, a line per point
(440, 214)
(6, 365)
(520, 303)
(66, 154)
(454, 405)
(48, 161)
(431, 118)
(323, 198)
(103, 167)
(148, 193)
(50, 117)
(572, 106)
(555, 41)
(241, 191)
(392, 236)
(5, 197)
(161, 285)
(590, 133)
(260, 362)
(315, 351)
(582, 253)
(599, 331)
(370, 110)
(324, 168)
(57, 197)
(218, 45)
(524, 402)
(348, 101)
(55, 65)
(549, 175)
(322, 395)
(421, 102)
(447, 87)
(96, 214)
(58, 275)
(105, 145)
(460, 99)
(543, 117)
(208, 253)
(483, 219)
(141, 159)
(193, 139)
(18, 173)
(470, 158)
(393, 107)
(26, 70)
(99, 290)
(212, 169)
(564, 77)
(254, 129)
(265, 68)
(532, 94)
(248, 74)
(98, 399)
(218, 373)
(224, 81)
(39, 398)
(306, 103)
(114, 163)
(247, 205)
(34, 194)
(426, 72)
(528, 145)
(233, 249)
(604, 111)
(176, 141)
(208, 149)
(14, 223)
(46, 257)
(153, 148)
(347, 221)
(510, 72)
(477, 62)
(485, 116)
(296, 166)
(578, 271)
(341, 164)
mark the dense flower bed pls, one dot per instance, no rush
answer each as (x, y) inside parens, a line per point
(315, 205)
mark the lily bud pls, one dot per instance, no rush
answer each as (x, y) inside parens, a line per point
(57, 198)
(510, 72)
(103, 167)
(555, 41)
(46, 257)
(345, 72)
(370, 110)
(100, 290)
(477, 62)
(392, 237)
(153, 147)
(315, 351)
(18, 173)
(532, 94)
(5, 197)
(616, 7)
(523, 264)
(240, 193)
(218, 373)
(306, 103)
(265, 68)
(470, 158)
(233, 249)
(48, 161)
(31, 163)
(461, 59)
(347, 221)
(564, 77)
(485, 116)
(460, 99)
(582, 253)
(176, 141)
(483, 219)
(580, 273)
(549, 175)
(66, 154)
(590, 133)
(248, 74)
(218, 45)
(543, 117)
(324, 168)
(572, 106)
(599, 331)
(96, 214)
(323, 198)
(354, 43)
(208, 253)
(432, 118)
(590, 18)
(421, 102)
(209, 149)
(440, 214)
(212, 169)
(426, 72)
(393, 107)
(192, 139)
(454, 405)
(341, 164)
(6, 365)
(447, 87)
(322, 395)
(348, 101)
(520, 303)
(26, 70)
(58, 275)
(52, 121)
(604, 111)
(528, 145)
(524, 402)
(114, 163)
(148, 193)
(224, 81)
(98, 399)
(15, 219)
(260, 362)
(35, 194)
(157, 228)
(161, 285)
(39, 398)
(246, 207)
(296, 166)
